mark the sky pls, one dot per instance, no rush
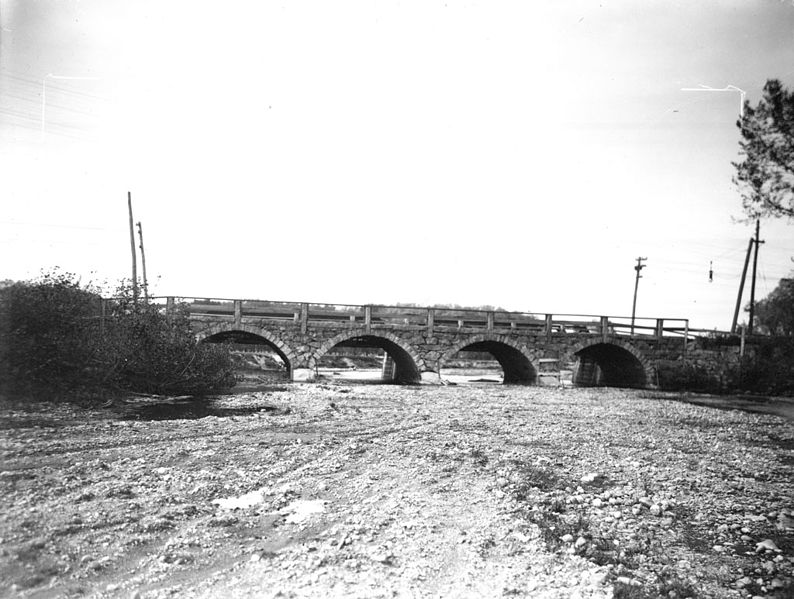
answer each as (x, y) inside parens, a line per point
(505, 153)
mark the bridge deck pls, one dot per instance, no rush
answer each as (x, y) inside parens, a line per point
(430, 318)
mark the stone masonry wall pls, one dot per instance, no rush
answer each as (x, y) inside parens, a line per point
(303, 345)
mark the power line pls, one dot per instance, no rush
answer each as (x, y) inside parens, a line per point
(58, 87)
(59, 226)
(38, 128)
(37, 102)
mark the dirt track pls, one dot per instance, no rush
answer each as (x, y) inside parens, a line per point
(380, 491)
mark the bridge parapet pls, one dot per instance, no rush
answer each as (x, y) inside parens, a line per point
(431, 319)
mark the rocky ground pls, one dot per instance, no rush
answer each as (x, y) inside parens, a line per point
(383, 491)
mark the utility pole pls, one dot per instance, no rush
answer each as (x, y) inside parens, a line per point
(638, 268)
(132, 247)
(755, 265)
(143, 263)
(741, 287)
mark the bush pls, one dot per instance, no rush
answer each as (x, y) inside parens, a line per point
(158, 353)
(683, 375)
(48, 330)
(771, 370)
(58, 343)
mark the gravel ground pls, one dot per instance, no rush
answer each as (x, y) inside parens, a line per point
(384, 491)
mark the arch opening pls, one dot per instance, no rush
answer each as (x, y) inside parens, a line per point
(489, 362)
(609, 365)
(368, 359)
(258, 361)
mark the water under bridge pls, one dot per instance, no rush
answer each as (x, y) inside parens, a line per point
(418, 342)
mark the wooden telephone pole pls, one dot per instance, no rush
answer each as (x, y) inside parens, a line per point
(143, 263)
(132, 248)
(741, 287)
(638, 268)
(753, 241)
(755, 265)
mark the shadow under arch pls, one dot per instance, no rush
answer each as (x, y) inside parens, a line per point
(611, 364)
(405, 360)
(516, 364)
(224, 333)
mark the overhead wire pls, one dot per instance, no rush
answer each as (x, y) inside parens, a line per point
(55, 84)
(52, 128)
(50, 105)
(69, 112)
(29, 117)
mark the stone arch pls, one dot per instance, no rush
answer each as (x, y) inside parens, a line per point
(282, 349)
(613, 363)
(515, 360)
(407, 361)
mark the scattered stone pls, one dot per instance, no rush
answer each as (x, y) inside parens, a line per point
(416, 490)
(785, 522)
(767, 545)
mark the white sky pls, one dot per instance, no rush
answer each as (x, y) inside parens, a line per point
(507, 153)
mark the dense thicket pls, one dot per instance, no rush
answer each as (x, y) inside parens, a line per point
(58, 341)
(48, 337)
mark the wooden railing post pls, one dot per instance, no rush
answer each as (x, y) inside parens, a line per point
(659, 328)
(304, 318)
(604, 328)
(686, 336)
(489, 321)
(368, 319)
(169, 309)
(431, 316)
(549, 319)
(238, 313)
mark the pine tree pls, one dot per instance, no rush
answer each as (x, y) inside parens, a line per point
(765, 176)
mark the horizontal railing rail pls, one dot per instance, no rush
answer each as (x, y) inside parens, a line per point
(432, 318)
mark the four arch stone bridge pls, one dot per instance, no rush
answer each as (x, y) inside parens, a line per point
(599, 350)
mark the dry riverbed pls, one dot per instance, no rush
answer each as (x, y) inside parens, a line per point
(383, 491)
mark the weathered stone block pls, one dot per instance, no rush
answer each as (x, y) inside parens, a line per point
(302, 375)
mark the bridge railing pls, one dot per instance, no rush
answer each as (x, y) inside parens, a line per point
(381, 316)
(399, 317)
(334, 313)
